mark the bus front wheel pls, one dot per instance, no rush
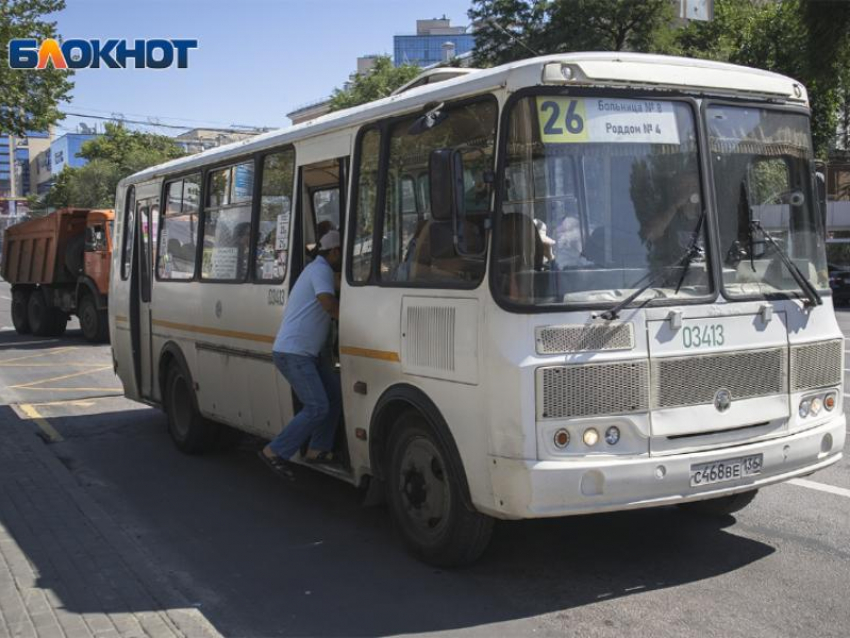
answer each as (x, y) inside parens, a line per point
(191, 432)
(723, 506)
(426, 501)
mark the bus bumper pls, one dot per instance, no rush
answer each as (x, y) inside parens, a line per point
(537, 489)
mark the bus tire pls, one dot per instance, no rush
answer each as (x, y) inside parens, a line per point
(191, 432)
(425, 498)
(723, 506)
(93, 322)
(20, 313)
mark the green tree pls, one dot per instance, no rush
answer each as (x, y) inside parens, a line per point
(807, 41)
(502, 25)
(380, 81)
(111, 157)
(560, 26)
(608, 25)
(29, 99)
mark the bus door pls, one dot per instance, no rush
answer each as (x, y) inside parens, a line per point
(147, 214)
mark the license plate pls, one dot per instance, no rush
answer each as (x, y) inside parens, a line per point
(726, 470)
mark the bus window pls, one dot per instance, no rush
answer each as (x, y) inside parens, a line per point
(275, 211)
(425, 251)
(227, 223)
(129, 233)
(326, 206)
(367, 194)
(177, 232)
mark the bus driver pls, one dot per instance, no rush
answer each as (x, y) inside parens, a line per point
(297, 353)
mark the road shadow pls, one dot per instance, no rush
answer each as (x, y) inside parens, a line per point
(261, 557)
(11, 340)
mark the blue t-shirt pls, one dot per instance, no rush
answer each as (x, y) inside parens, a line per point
(305, 324)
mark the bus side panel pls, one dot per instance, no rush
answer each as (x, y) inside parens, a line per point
(174, 307)
(236, 325)
(119, 304)
(371, 352)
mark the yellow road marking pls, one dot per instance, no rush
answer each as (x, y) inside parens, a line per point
(41, 422)
(383, 355)
(60, 378)
(40, 354)
(87, 402)
(49, 365)
(75, 389)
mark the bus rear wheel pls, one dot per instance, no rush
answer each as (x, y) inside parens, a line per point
(20, 316)
(723, 506)
(426, 501)
(191, 432)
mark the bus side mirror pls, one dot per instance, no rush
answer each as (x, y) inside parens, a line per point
(445, 179)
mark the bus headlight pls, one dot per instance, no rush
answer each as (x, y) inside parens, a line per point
(612, 435)
(804, 408)
(815, 406)
(590, 437)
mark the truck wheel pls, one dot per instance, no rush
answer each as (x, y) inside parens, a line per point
(39, 315)
(191, 432)
(20, 313)
(92, 321)
(723, 506)
(425, 498)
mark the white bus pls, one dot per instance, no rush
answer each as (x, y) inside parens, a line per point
(572, 284)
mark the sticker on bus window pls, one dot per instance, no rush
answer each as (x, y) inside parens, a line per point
(566, 120)
(282, 235)
(224, 262)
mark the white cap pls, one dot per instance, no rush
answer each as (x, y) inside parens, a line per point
(329, 240)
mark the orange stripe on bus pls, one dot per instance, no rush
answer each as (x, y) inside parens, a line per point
(383, 355)
(234, 334)
(121, 318)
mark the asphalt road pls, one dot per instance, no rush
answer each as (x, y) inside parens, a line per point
(259, 557)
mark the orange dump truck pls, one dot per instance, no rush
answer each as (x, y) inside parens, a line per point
(58, 266)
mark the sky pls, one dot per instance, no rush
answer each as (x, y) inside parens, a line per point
(256, 59)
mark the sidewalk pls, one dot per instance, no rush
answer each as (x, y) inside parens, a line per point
(66, 569)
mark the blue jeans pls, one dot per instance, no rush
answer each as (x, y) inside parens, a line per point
(318, 388)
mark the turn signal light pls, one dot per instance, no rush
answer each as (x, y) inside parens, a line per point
(562, 438)
(829, 401)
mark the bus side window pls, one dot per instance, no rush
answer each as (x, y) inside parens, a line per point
(420, 247)
(227, 223)
(178, 229)
(366, 200)
(275, 212)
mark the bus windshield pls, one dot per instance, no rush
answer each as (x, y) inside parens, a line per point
(763, 175)
(601, 196)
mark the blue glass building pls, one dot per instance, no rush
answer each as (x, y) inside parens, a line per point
(427, 46)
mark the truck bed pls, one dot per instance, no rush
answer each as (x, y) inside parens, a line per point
(33, 251)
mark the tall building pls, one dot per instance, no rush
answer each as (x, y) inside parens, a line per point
(436, 41)
(17, 165)
(65, 151)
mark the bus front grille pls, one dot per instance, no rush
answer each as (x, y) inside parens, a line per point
(592, 389)
(816, 365)
(694, 380)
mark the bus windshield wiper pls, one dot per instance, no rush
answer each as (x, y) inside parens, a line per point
(685, 261)
(812, 296)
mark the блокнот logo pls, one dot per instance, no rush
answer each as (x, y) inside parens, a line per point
(27, 53)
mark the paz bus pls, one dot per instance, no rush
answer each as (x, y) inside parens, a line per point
(572, 284)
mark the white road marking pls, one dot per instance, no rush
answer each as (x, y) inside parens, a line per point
(821, 487)
(6, 298)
